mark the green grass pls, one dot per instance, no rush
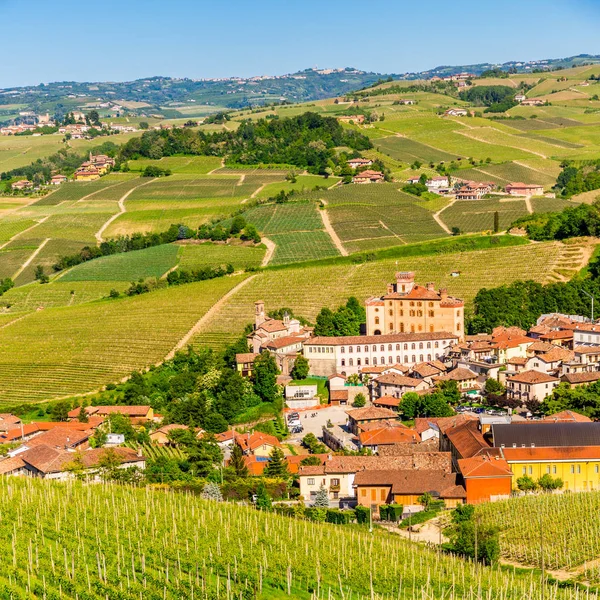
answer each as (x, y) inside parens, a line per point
(179, 164)
(128, 266)
(8, 229)
(322, 389)
(407, 150)
(507, 173)
(195, 256)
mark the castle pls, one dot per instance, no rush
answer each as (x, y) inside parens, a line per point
(411, 308)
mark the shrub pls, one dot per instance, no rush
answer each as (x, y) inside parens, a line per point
(362, 514)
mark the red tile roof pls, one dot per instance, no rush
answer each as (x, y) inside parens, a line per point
(251, 441)
(371, 413)
(544, 453)
(484, 466)
(379, 339)
(400, 380)
(388, 435)
(467, 439)
(387, 401)
(568, 415)
(412, 482)
(532, 377)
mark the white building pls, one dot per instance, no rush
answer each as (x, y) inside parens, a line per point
(347, 355)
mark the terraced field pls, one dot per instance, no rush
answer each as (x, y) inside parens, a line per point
(73, 349)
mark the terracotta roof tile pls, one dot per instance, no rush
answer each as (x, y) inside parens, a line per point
(483, 466)
(379, 339)
(532, 377)
(371, 413)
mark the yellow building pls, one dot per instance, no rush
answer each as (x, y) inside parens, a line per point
(578, 467)
(411, 308)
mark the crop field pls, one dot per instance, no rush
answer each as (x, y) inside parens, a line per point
(33, 296)
(507, 173)
(8, 229)
(570, 542)
(128, 266)
(407, 150)
(306, 289)
(179, 164)
(195, 256)
(303, 182)
(74, 349)
(296, 228)
(550, 204)
(175, 187)
(11, 260)
(478, 215)
(371, 216)
(140, 544)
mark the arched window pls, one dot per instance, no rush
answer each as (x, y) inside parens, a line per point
(428, 344)
(374, 360)
(358, 363)
(420, 327)
(431, 329)
(374, 348)
(343, 351)
(421, 346)
(431, 304)
(383, 360)
(412, 313)
(429, 357)
(412, 303)
(397, 346)
(343, 362)
(390, 360)
(419, 313)
(391, 312)
(350, 363)
(398, 361)
(401, 327)
(382, 348)
(389, 347)
(366, 361)
(350, 349)
(414, 358)
(420, 358)
(431, 314)
(406, 346)
(437, 344)
(401, 313)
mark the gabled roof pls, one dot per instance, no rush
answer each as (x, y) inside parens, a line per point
(484, 466)
(581, 378)
(338, 395)
(555, 453)
(458, 374)
(370, 413)
(283, 342)
(9, 465)
(568, 416)
(245, 358)
(442, 423)
(439, 484)
(130, 411)
(532, 377)
(400, 380)
(387, 401)
(467, 439)
(388, 435)
(557, 354)
(427, 369)
(60, 438)
(540, 347)
(251, 441)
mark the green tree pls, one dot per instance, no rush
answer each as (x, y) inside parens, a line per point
(82, 417)
(425, 500)
(60, 410)
(277, 466)
(325, 325)
(109, 464)
(547, 483)
(263, 500)
(238, 463)
(526, 484)
(496, 222)
(359, 401)
(143, 125)
(212, 491)
(321, 498)
(301, 368)
(310, 461)
(493, 386)
(264, 377)
(237, 225)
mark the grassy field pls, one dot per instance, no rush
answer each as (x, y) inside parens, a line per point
(129, 266)
(94, 343)
(124, 552)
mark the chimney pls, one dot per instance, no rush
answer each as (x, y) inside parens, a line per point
(444, 294)
(139, 452)
(286, 319)
(430, 287)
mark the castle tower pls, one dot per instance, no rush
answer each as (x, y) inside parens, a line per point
(405, 281)
(259, 313)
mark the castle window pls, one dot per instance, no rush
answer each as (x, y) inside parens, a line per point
(419, 304)
(412, 328)
(343, 350)
(420, 358)
(428, 344)
(431, 314)
(391, 326)
(458, 327)
(350, 363)
(412, 303)
(376, 320)
(358, 362)
(389, 347)
(419, 313)
(391, 303)
(421, 346)
(401, 313)
(412, 313)
(350, 349)
(431, 304)
(382, 348)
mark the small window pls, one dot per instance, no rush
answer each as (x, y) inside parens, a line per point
(358, 348)
(343, 350)
(406, 346)
(391, 312)
(350, 349)
(398, 361)
(437, 344)
(366, 361)
(343, 362)
(421, 346)
(376, 320)
(363, 492)
(375, 360)
(572, 468)
(390, 360)
(397, 347)
(311, 481)
(524, 470)
(350, 363)
(389, 347)
(382, 348)
(358, 363)
(414, 358)
(335, 482)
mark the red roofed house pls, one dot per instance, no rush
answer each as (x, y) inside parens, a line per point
(139, 414)
(474, 190)
(369, 415)
(530, 385)
(257, 443)
(368, 177)
(524, 189)
(395, 385)
(359, 162)
(8, 422)
(486, 478)
(386, 436)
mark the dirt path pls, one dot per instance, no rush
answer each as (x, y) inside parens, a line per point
(212, 310)
(222, 166)
(254, 193)
(528, 204)
(30, 259)
(472, 137)
(122, 210)
(96, 192)
(392, 232)
(271, 246)
(331, 231)
(438, 219)
(14, 237)
(429, 533)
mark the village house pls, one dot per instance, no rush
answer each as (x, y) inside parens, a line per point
(530, 385)
(533, 102)
(394, 385)
(301, 396)
(577, 379)
(466, 380)
(338, 473)
(520, 97)
(368, 177)
(348, 355)
(138, 414)
(486, 478)
(258, 443)
(357, 119)
(551, 361)
(355, 163)
(409, 307)
(388, 435)
(368, 415)
(58, 179)
(474, 190)
(161, 437)
(435, 427)
(22, 184)
(374, 488)
(434, 184)
(9, 422)
(524, 189)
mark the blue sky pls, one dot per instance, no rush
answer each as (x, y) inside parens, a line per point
(121, 40)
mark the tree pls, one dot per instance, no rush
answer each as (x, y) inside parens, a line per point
(237, 225)
(472, 539)
(547, 483)
(82, 417)
(455, 231)
(238, 463)
(264, 377)
(325, 323)
(496, 222)
(143, 125)
(60, 410)
(109, 463)
(526, 484)
(359, 401)
(311, 461)
(76, 467)
(277, 466)
(425, 500)
(40, 275)
(212, 491)
(263, 500)
(301, 368)
(493, 386)
(321, 498)
(311, 442)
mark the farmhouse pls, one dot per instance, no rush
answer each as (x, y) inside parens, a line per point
(410, 307)
(58, 179)
(437, 183)
(520, 98)
(368, 415)
(359, 119)
(86, 174)
(406, 102)
(22, 184)
(139, 414)
(347, 355)
(368, 177)
(374, 438)
(473, 190)
(394, 385)
(355, 163)
(524, 189)
(532, 102)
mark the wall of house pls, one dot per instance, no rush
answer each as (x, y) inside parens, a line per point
(481, 489)
(578, 476)
(311, 484)
(373, 495)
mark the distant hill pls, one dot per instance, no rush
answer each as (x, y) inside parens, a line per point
(180, 98)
